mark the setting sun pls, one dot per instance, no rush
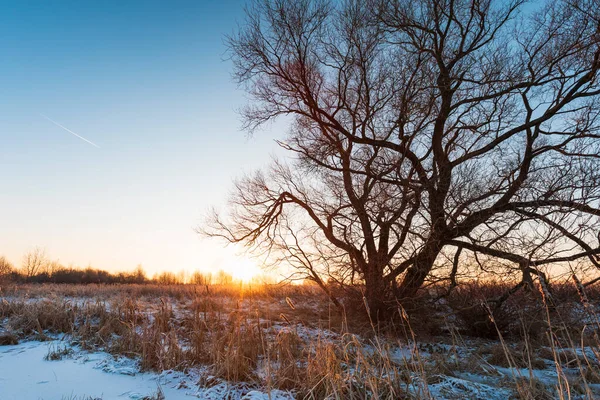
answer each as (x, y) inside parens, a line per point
(243, 269)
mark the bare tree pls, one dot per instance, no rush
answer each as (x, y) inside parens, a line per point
(200, 278)
(423, 132)
(6, 266)
(139, 274)
(34, 262)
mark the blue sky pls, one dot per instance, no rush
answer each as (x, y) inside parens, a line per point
(148, 81)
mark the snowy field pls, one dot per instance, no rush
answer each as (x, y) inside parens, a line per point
(25, 374)
(75, 345)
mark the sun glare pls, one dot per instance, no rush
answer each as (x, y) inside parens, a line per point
(244, 269)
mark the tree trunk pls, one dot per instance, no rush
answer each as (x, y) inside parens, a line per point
(415, 275)
(376, 295)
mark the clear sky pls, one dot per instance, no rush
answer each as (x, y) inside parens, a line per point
(149, 83)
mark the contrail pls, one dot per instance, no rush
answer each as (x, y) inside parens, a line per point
(70, 131)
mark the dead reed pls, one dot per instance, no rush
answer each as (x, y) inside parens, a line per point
(273, 340)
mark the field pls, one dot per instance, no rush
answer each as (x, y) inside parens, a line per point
(283, 342)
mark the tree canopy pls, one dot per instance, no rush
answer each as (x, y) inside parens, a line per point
(423, 133)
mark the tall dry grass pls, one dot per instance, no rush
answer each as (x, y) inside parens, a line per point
(288, 338)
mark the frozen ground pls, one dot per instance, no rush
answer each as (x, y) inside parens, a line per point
(209, 334)
(26, 375)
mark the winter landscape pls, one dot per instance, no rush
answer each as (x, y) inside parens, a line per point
(300, 199)
(267, 342)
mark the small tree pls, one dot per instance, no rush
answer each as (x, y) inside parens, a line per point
(34, 262)
(199, 278)
(223, 278)
(423, 132)
(138, 275)
(6, 267)
(167, 278)
(53, 267)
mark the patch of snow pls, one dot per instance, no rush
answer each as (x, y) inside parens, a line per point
(456, 388)
(274, 395)
(25, 375)
(119, 365)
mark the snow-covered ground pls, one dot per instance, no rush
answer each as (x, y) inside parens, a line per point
(26, 375)
(363, 363)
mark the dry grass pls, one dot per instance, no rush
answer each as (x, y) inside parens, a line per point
(289, 338)
(56, 353)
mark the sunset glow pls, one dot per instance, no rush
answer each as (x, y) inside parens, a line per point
(244, 270)
(119, 114)
(300, 199)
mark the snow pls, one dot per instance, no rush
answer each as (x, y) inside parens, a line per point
(25, 375)
(456, 388)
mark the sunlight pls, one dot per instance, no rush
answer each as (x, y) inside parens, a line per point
(244, 269)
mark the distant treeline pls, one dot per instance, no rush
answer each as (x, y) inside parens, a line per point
(36, 268)
(74, 275)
